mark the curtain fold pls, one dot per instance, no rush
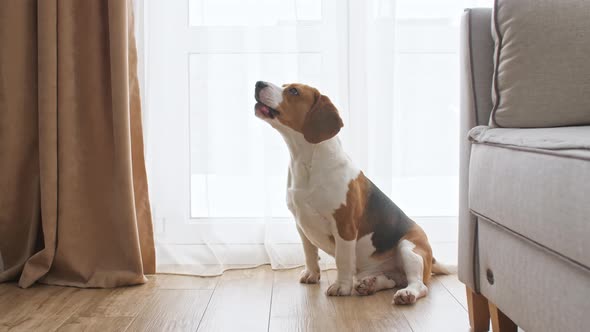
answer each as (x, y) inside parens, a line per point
(74, 205)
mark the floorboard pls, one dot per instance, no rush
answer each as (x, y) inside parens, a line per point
(241, 300)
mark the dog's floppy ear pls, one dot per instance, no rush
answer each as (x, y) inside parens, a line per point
(322, 122)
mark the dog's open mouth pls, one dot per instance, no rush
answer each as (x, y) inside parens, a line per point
(264, 111)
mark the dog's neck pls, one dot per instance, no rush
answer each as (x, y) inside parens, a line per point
(306, 156)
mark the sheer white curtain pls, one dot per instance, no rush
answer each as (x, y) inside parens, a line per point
(218, 174)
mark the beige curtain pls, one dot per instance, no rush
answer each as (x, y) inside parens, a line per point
(74, 206)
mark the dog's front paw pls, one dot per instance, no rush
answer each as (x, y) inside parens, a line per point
(340, 288)
(309, 277)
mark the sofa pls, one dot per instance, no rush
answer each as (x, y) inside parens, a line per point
(524, 220)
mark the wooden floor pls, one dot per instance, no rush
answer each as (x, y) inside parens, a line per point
(240, 300)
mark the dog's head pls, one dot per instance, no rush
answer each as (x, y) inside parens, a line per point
(299, 107)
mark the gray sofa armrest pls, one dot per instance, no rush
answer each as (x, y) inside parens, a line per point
(476, 57)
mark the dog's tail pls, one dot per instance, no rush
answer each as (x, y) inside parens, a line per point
(440, 268)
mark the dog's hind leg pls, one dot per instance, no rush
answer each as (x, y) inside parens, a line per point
(413, 264)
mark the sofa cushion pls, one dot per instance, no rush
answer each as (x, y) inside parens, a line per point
(535, 182)
(541, 67)
(563, 141)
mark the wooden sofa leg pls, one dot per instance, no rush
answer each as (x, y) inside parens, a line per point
(479, 314)
(501, 322)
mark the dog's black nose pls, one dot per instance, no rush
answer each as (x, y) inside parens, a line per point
(261, 85)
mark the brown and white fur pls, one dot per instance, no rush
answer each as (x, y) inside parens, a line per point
(337, 208)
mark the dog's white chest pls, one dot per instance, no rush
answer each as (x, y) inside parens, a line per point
(315, 193)
(316, 227)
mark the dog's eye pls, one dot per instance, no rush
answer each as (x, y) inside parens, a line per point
(294, 91)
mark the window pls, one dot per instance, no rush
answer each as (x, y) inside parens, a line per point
(218, 174)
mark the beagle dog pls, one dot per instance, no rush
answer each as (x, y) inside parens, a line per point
(337, 208)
